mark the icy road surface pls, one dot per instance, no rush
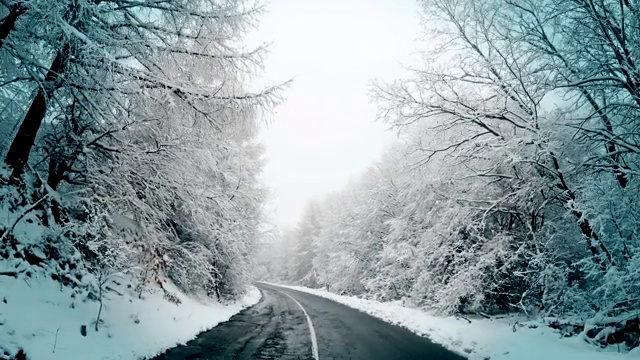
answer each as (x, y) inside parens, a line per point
(278, 328)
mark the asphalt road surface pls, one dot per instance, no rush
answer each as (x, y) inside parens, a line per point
(288, 324)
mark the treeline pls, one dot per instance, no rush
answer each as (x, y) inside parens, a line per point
(130, 141)
(514, 187)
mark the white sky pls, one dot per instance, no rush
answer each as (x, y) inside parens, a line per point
(325, 132)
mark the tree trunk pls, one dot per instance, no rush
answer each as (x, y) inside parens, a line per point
(9, 22)
(56, 172)
(585, 226)
(610, 146)
(18, 153)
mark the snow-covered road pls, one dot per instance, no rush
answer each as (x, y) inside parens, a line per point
(279, 327)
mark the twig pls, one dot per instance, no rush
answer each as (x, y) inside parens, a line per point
(463, 317)
(484, 315)
(10, 273)
(24, 213)
(55, 342)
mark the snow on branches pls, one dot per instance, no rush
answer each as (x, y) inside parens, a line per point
(515, 188)
(136, 116)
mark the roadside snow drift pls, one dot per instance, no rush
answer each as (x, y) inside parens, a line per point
(496, 339)
(40, 316)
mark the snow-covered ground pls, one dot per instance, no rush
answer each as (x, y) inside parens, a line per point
(481, 338)
(40, 316)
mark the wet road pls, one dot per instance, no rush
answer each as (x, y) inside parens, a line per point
(278, 328)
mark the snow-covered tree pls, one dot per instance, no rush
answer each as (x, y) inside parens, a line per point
(514, 186)
(135, 122)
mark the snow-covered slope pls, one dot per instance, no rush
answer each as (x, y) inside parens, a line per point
(40, 316)
(496, 339)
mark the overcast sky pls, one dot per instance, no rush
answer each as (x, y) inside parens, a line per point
(325, 132)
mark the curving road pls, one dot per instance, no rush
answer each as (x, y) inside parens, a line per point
(278, 328)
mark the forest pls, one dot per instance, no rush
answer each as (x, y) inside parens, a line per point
(129, 134)
(128, 139)
(513, 186)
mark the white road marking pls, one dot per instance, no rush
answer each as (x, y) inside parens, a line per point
(314, 341)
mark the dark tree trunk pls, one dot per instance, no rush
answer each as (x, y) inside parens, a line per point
(66, 150)
(596, 246)
(9, 22)
(610, 147)
(56, 173)
(18, 153)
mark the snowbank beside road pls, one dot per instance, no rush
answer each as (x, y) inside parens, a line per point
(495, 339)
(41, 317)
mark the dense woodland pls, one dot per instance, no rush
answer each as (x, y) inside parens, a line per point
(128, 135)
(129, 140)
(514, 187)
